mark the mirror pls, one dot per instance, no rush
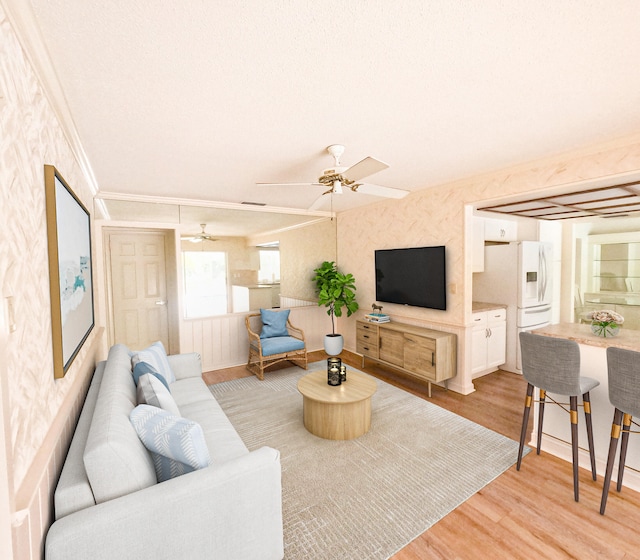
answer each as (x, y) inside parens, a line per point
(304, 240)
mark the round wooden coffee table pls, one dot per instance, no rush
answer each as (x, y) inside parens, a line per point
(342, 412)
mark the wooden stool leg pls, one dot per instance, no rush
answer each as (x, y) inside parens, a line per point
(613, 444)
(525, 421)
(573, 406)
(586, 401)
(626, 429)
(543, 396)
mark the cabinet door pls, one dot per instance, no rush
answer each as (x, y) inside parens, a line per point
(478, 349)
(391, 346)
(420, 355)
(497, 344)
(500, 230)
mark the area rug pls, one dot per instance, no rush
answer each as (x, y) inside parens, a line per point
(369, 497)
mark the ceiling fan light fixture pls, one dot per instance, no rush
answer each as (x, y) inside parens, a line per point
(337, 187)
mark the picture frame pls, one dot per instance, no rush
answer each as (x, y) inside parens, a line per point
(70, 270)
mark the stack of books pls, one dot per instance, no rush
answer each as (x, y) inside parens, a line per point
(377, 318)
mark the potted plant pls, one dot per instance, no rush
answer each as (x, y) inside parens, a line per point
(335, 291)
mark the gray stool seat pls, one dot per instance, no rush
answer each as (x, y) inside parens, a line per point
(553, 365)
(623, 373)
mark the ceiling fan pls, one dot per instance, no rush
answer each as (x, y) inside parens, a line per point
(339, 177)
(200, 237)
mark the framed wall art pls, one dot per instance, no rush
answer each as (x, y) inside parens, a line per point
(70, 264)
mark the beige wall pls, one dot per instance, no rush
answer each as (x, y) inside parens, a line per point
(437, 216)
(38, 413)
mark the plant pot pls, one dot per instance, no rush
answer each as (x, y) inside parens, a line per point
(333, 344)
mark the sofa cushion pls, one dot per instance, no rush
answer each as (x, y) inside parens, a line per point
(157, 357)
(116, 461)
(177, 445)
(280, 344)
(142, 368)
(274, 323)
(151, 391)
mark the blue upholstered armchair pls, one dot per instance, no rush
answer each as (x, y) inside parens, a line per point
(273, 339)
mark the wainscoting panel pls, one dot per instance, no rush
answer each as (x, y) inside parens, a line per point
(223, 342)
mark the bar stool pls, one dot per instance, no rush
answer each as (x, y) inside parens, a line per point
(553, 365)
(623, 370)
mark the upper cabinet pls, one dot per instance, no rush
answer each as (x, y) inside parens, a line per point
(500, 230)
(490, 229)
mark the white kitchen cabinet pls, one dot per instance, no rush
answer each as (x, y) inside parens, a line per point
(488, 341)
(500, 230)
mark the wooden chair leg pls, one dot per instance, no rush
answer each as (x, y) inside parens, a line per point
(573, 409)
(626, 429)
(586, 401)
(543, 396)
(613, 444)
(525, 420)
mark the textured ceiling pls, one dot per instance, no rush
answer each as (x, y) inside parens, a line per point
(202, 99)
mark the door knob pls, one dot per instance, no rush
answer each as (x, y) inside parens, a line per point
(161, 302)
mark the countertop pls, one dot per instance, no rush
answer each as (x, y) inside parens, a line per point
(481, 306)
(581, 333)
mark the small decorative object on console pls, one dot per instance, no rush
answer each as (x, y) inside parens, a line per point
(333, 371)
(377, 318)
(605, 322)
(343, 373)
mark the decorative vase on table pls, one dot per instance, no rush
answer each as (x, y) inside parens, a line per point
(606, 323)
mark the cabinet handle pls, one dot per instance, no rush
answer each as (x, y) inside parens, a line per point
(432, 359)
(365, 336)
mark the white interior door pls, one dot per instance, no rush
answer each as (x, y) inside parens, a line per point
(138, 288)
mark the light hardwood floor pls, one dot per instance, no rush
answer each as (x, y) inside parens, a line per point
(525, 514)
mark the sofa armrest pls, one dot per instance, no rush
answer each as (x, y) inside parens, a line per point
(231, 511)
(185, 365)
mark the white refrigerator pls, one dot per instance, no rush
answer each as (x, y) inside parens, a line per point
(517, 275)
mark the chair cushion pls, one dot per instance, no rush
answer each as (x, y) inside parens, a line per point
(177, 445)
(157, 357)
(142, 368)
(274, 323)
(151, 391)
(280, 344)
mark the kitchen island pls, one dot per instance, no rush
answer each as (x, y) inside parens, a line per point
(556, 437)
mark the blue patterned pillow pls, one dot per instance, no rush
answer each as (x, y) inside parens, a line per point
(177, 445)
(274, 323)
(142, 368)
(151, 391)
(156, 356)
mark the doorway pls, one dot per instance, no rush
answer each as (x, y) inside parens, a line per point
(139, 282)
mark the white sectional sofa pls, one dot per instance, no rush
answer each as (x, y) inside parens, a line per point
(109, 505)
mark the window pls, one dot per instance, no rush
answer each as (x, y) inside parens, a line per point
(269, 272)
(205, 283)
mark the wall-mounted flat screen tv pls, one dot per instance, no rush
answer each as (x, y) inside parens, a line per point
(412, 276)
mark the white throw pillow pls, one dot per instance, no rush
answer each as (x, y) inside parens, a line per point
(152, 391)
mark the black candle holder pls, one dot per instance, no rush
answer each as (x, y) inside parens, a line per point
(343, 373)
(333, 371)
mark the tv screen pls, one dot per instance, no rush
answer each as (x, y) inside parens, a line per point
(412, 276)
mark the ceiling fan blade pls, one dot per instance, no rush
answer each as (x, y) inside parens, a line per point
(377, 190)
(291, 184)
(364, 168)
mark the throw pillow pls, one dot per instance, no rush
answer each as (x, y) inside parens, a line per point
(157, 357)
(151, 391)
(177, 445)
(274, 323)
(142, 368)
